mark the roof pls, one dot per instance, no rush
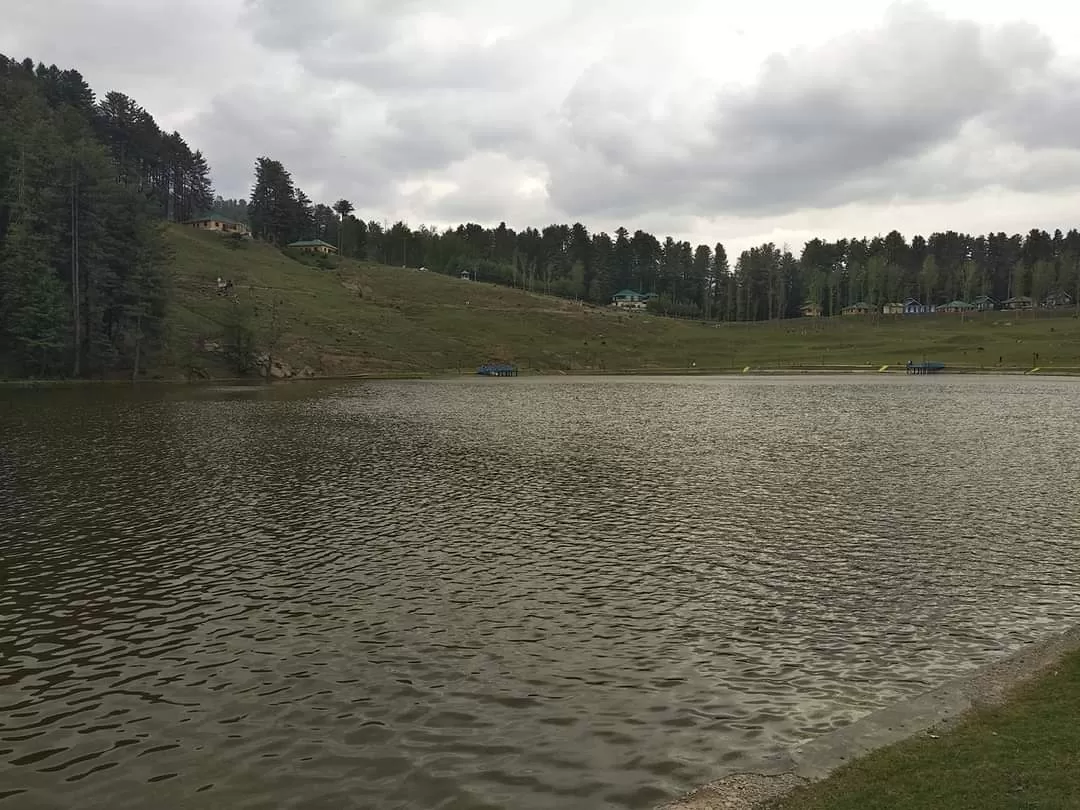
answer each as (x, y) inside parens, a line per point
(959, 304)
(859, 305)
(1018, 299)
(214, 218)
(986, 298)
(628, 294)
(311, 243)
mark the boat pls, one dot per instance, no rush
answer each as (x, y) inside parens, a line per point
(497, 370)
(925, 367)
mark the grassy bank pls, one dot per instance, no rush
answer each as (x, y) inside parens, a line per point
(1022, 754)
(370, 319)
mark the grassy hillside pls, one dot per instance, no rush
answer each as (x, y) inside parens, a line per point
(370, 319)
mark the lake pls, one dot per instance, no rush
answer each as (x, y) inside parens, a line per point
(524, 593)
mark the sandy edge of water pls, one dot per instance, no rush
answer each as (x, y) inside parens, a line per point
(938, 708)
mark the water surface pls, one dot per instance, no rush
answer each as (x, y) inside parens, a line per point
(573, 593)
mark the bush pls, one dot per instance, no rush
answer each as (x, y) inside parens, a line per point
(238, 344)
(665, 306)
(236, 241)
(326, 262)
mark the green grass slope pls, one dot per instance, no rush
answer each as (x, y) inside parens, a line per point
(368, 319)
(1024, 754)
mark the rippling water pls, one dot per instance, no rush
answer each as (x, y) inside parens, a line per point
(578, 593)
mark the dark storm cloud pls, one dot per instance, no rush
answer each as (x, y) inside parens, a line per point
(1046, 114)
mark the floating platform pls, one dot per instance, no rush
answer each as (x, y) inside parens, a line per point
(924, 368)
(497, 370)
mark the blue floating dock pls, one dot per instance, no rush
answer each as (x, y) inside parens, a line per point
(924, 368)
(498, 370)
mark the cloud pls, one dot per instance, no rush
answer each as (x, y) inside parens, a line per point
(396, 46)
(646, 113)
(311, 133)
(639, 124)
(1046, 114)
(486, 187)
(151, 51)
(853, 119)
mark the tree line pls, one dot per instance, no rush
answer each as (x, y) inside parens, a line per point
(85, 184)
(765, 282)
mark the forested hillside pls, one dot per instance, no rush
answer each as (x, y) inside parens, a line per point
(84, 187)
(766, 282)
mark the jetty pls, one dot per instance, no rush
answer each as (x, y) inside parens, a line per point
(497, 370)
(924, 367)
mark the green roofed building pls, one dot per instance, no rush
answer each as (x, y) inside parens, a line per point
(215, 222)
(629, 299)
(313, 246)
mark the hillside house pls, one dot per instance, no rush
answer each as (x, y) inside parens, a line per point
(1019, 302)
(893, 309)
(811, 310)
(912, 306)
(212, 222)
(1058, 299)
(957, 307)
(629, 299)
(313, 246)
(859, 308)
(984, 303)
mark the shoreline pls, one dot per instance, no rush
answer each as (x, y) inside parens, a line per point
(781, 371)
(939, 708)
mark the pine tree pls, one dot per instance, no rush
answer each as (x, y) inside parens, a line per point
(274, 210)
(342, 208)
(83, 271)
(929, 278)
(302, 224)
(720, 276)
(33, 309)
(622, 259)
(700, 284)
(602, 285)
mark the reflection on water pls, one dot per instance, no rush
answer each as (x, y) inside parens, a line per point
(504, 593)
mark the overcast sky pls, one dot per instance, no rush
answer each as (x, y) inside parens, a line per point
(766, 120)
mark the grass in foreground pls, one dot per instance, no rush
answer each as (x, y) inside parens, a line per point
(1023, 754)
(365, 318)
